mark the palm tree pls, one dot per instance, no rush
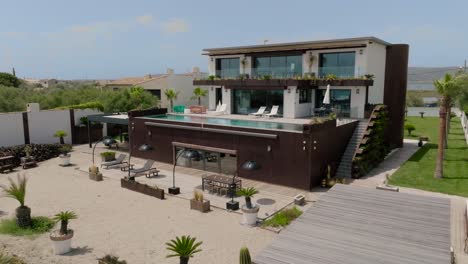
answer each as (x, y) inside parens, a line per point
(17, 191)
(184, 248)
(248, 193)
(198, 93)
(63, 217)
(448, 88)
(171, 95)
(60, 134)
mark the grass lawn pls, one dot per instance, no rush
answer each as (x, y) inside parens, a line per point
(40, 224)
(418, 171)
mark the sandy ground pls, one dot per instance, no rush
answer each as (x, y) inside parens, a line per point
(114, 220)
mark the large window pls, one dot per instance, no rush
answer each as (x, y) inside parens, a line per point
(305, 96)
(249, 101)
(340, 64)
(278, 66)
(340, 101)
(228, 68)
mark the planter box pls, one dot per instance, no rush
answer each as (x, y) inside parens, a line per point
(202, 206)
(142, 188)
(95, 176)
(108, 158)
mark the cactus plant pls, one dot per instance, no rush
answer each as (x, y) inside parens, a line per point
(244, 257)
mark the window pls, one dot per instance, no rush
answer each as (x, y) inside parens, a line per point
(305, 96)
(278, 66)
(340, 64)
(249, 101)
(228, 68)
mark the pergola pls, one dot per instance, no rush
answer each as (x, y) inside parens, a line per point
(116, 118)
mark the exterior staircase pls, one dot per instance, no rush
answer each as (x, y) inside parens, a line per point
(344, 169)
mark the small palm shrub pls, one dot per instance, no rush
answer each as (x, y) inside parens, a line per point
(63, 217)
(17, 191)
(244, 257)
(248, 193)
(183, 247)
(61, 134)
(110, 259)
(198, 93)
(410, 128)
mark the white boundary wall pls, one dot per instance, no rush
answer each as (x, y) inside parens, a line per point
(11, 129)
(42, 126)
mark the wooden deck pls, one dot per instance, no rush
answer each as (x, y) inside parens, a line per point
(356, 225)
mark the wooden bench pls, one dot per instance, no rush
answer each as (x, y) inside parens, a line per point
(28, 162)
(7, 163)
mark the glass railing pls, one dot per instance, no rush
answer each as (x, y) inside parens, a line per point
(340, 72)
(228, 73)
(279, 73)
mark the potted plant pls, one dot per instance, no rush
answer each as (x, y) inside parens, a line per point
(17, 191)
(108, 156)
(110, 259)
(61, 239)
(61, 134)
(184, 248)
(249, 211)
(244, 257)
(198, 203)
(94, 173)
(65, 155)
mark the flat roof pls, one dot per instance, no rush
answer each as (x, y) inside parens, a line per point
(357, 225)
(316, 44)
(118, 118)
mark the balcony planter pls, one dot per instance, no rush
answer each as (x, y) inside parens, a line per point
(61, 243)
(65, 159)
(202, 206)
(108, 156)
(249, 215)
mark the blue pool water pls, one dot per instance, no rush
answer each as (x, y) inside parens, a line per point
(230, 122)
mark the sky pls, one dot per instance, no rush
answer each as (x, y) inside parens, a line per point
(108, 39)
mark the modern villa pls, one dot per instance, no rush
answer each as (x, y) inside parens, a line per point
(291, 78)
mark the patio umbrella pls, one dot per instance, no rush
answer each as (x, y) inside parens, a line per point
(326, 98)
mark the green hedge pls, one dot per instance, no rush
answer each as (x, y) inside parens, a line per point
(40, 152)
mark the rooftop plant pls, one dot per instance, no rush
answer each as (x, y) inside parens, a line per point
(183, 247)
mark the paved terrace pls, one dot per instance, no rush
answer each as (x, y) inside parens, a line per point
(357, 225)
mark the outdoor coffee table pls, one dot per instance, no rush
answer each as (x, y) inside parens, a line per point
(220, 181)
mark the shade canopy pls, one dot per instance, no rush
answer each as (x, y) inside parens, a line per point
(326, 98)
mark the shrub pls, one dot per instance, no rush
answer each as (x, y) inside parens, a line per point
(88, 105)
(283, 218)
(198, 196)
(409, 128)
(7, 259)
(111, 259)
(40, 224)
(108, 154)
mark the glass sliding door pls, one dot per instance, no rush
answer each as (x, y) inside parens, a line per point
(340, 64)
(249, 101)
(340, 101)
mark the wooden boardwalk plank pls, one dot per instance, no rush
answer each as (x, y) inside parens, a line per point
(358, 225)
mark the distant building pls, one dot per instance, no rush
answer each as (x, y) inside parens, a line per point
(158, 83)
(43, 83)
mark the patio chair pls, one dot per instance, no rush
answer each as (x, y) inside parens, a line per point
(273, 112)
(148, 170)
(219, 111)
(118, 161)
(260, 111)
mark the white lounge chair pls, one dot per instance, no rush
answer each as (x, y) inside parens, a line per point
(221, 110)
(273, 112)
(260, 111)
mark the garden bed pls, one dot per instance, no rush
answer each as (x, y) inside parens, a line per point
(142, 188)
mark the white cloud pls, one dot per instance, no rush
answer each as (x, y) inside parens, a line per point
(175, 25)
(145, 20)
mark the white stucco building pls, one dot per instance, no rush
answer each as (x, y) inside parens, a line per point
(345, 59)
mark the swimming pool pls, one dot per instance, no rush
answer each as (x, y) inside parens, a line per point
(230, 122)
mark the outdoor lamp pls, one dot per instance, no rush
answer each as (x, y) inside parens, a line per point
(249, 165)
(188, 154)
(143, 148)
(108, 141)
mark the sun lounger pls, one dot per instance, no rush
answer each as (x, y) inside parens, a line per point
(260, 111)
(219, 111)
(148, 170)
(118, 161)
(273, 112)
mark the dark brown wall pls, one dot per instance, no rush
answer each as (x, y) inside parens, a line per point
(396, 75)
(286, 164)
